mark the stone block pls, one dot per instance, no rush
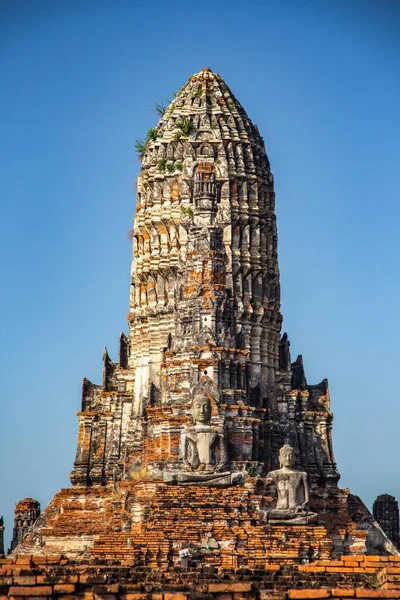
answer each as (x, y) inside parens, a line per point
(382, 594)
(339, 569)
(107, 588)
(64, 588)
(309, 594)
(25, 580)
(238, 586)
(353, 557)
(39, 590)
(24, 559)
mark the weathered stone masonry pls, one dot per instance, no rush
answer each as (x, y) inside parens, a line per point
(205, 299)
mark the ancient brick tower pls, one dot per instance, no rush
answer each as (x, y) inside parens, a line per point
(175, 444)
(205, 302)
(386, 512)
(26, 513)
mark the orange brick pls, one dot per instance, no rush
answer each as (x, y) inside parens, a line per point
(39, 560)
(173, 596)
(372, 569)
(344, 593)
(339, 569)
(24, 559)
(357, 557)
(133, 596)
(53, 558)
(64, 588)
(37, 590)
(308, 594)
(25, 580)
(392, 570)
(229, 587)
(388, 594)
(391, 586)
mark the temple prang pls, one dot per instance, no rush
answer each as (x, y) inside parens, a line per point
(386, 512)
(205, 461)
(26, 513)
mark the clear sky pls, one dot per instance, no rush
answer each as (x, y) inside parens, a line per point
(322, 81)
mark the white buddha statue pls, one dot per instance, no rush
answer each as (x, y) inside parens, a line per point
(292, 491)
(203, 451)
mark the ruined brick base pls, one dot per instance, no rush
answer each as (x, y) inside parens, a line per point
(145, 523)
(54, 576)
(108, 543)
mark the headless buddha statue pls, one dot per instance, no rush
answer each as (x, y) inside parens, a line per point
(203, 451)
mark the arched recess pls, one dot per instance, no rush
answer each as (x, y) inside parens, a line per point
(163, 240)
(166, 195)
(151, 293)
(161, 291)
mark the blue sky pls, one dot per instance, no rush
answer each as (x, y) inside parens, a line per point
(320, 79)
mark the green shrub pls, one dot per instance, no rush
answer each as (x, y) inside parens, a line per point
(152, 134)
(162, 165)
(187, 211)
(159, 108)
(185, 125)
(140, 147)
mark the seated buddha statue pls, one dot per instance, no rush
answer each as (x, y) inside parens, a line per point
(203, 451)
(292, 491)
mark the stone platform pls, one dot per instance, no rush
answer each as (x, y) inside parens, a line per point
(146, 523)
(55, 576)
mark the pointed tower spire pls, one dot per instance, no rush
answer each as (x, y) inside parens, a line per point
(205, 251)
